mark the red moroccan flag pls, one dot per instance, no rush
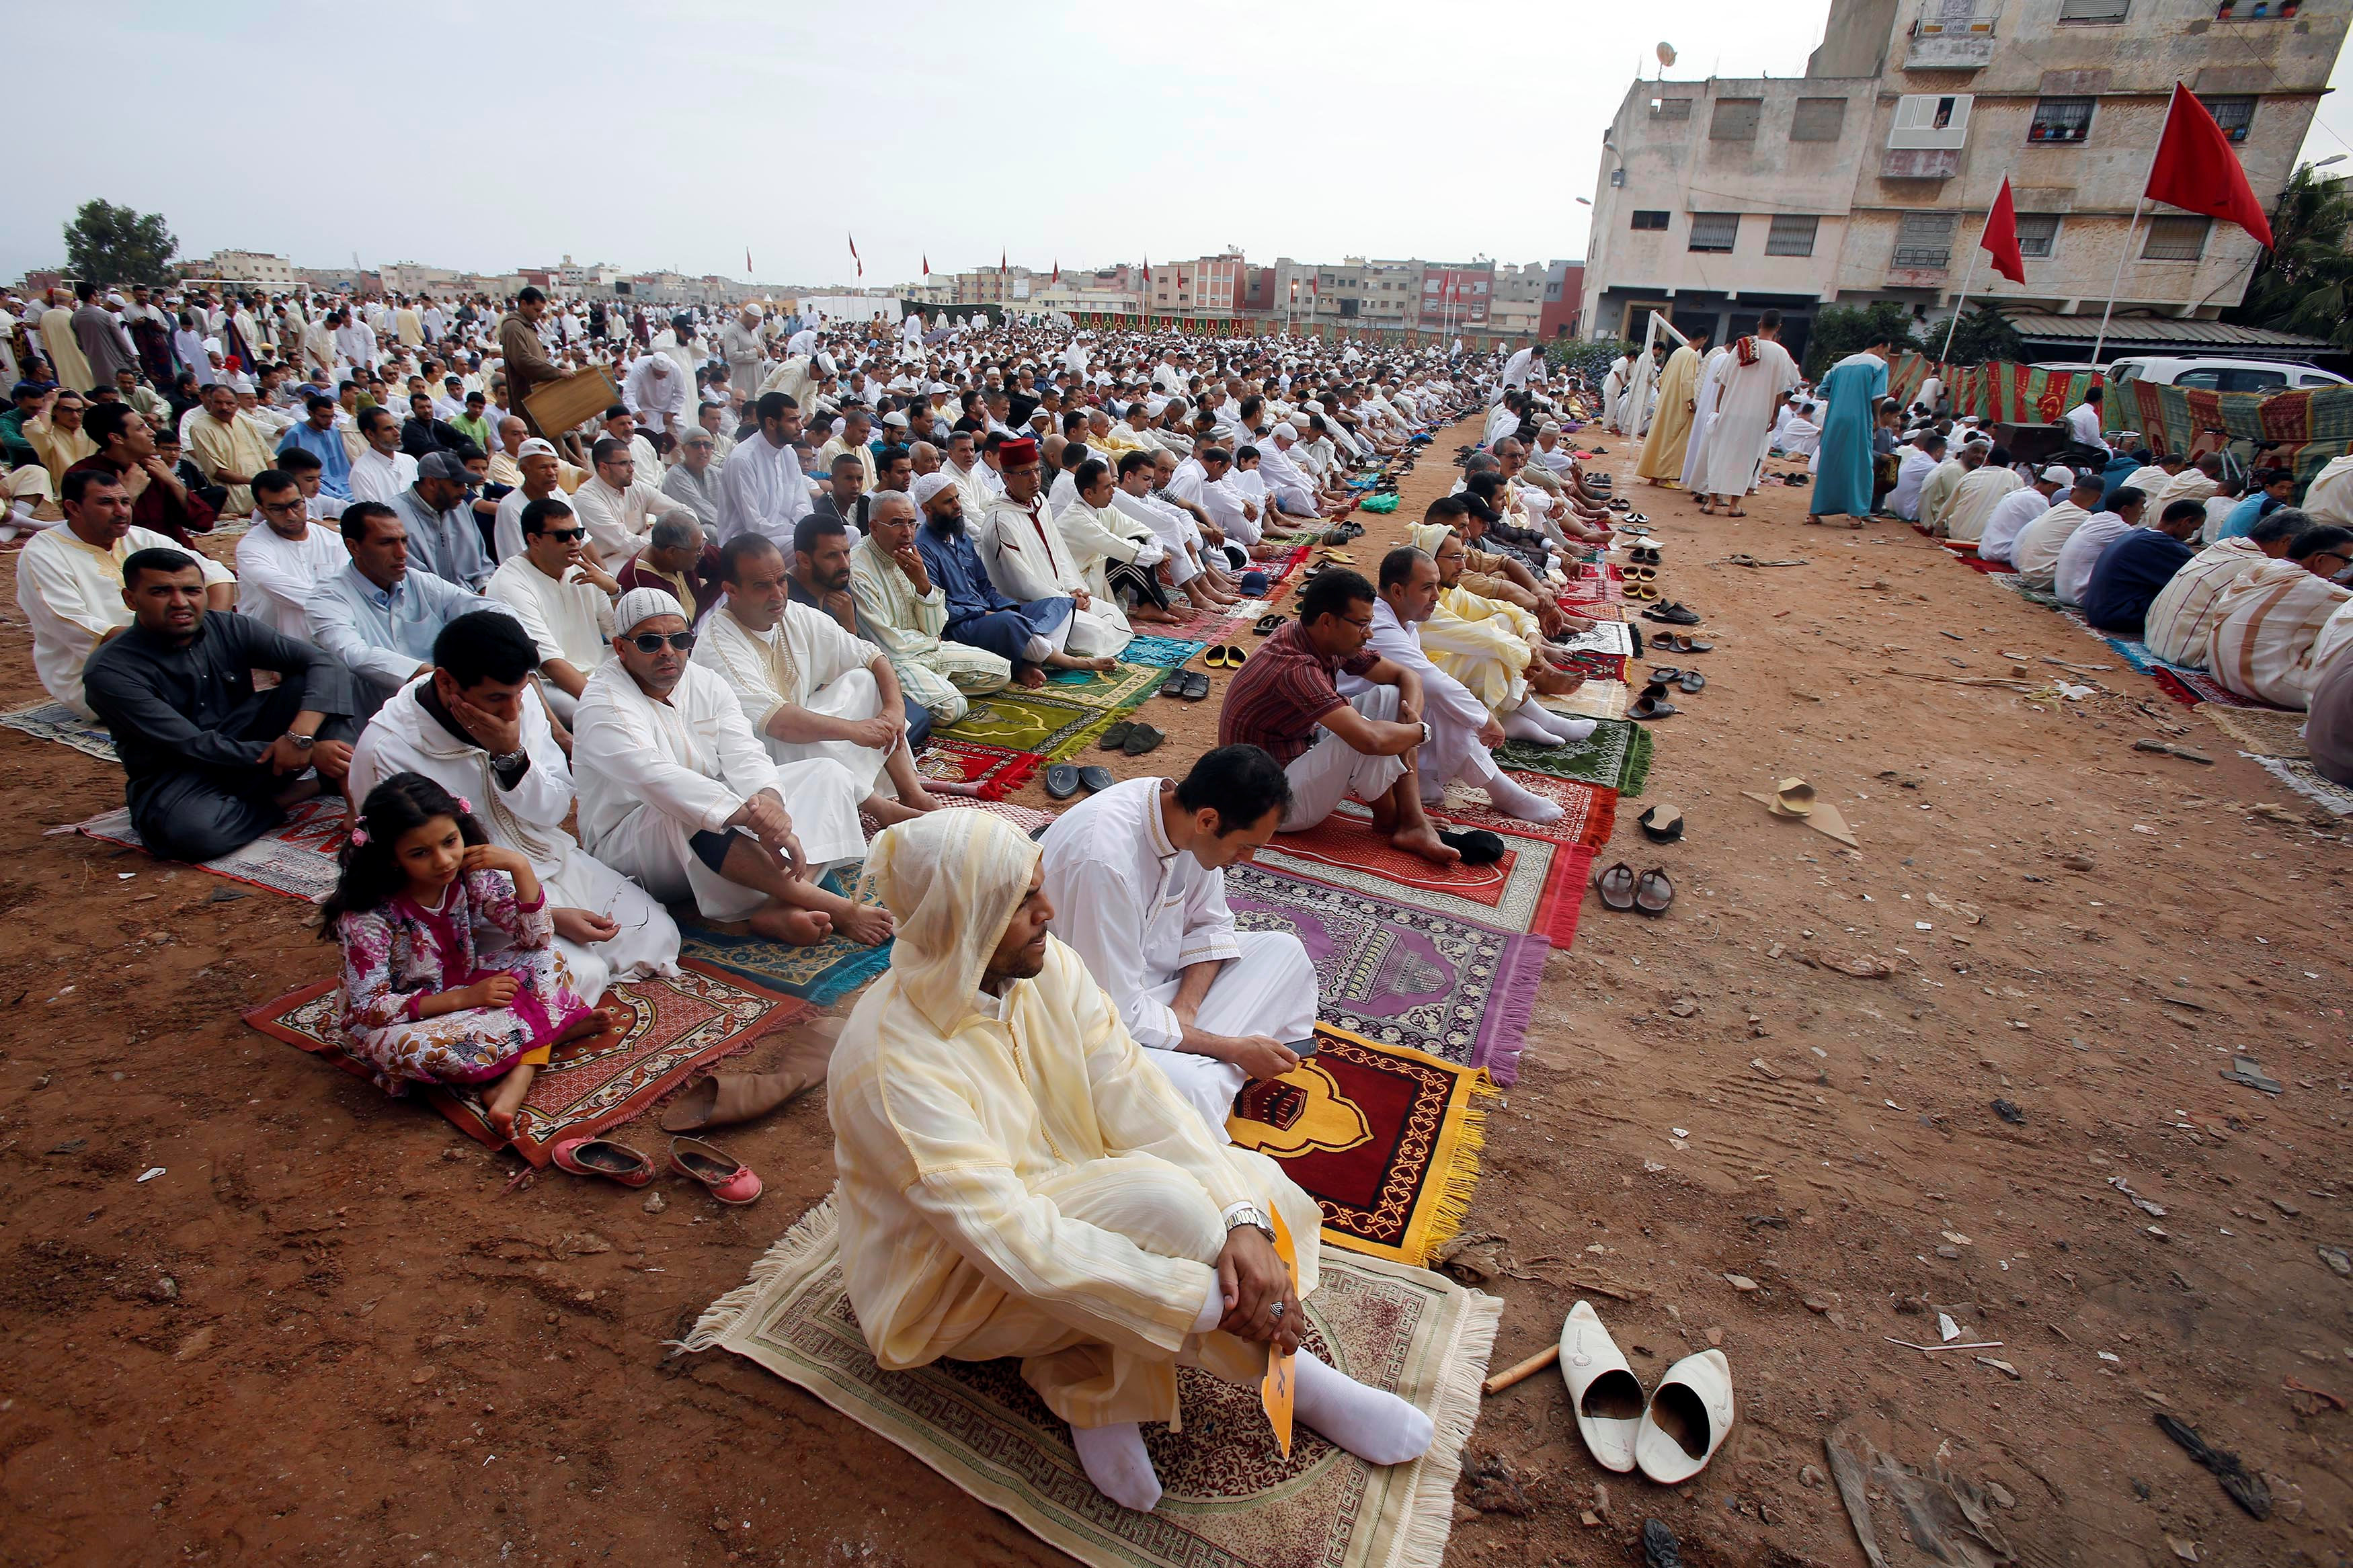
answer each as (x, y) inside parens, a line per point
(853, 255)
(927, 264)
(2001, 238)
(2197, 172)
(1058, 270)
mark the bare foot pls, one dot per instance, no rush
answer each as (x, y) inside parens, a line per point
(1424, 841)
(507, 1099)
(1153, 616)
(1031, 677)
(864, 924)
(794, 927)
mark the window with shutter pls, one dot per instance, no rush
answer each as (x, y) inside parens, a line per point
(1817, 120)
(2093, 11)
(1931, 119)
(1643, 219)
(1736, 119)
(2061, 119)
(2038, 233)
(1715, 231)
(1924, 240)
(2176, 238)
(1792, 235)
(2234, 115)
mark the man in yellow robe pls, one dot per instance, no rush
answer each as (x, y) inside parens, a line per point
(229, 448)
(1017, 1179)
(1671, 427)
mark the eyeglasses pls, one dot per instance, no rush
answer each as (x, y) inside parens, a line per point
(651, 642)
(564, 535)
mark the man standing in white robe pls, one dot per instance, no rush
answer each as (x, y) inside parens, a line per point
(809, 690)
(474, 726)
(678, 794)
(1139, 873)
(1029, 560)
(1753, 378)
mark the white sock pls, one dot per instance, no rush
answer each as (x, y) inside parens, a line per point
(1513, 799)
(1116, 1460)
(1377, 1427)
(1545, 718)
(1520, 725)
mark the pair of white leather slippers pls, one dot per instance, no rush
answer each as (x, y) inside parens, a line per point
(1672, 1435)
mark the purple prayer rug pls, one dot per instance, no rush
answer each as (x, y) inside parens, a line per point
(1400, 975)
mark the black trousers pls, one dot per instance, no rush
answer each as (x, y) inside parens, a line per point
(203, 813)
(1143, 582)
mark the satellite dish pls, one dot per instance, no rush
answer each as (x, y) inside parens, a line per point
(1666, 55)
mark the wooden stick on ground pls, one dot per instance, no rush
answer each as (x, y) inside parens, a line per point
(1526, 1369)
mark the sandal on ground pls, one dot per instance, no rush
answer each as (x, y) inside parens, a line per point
(1112, 738)
(1662, 823)
(1061, 780)
(1096, 777)
(1616, 887)
(1140, 739)
(1665, 672)
(1653, 891)
(1215, 658)
(1650, 706)
(1693, 680)
(1603, 1390)
(1235, 657)
(730, 1180)
(1267, 626)
(1687, 1418)
(1197, 686)
(1178, 683)
(603, 1157)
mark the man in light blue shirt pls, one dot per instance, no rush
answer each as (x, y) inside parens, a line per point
(317, 435)
(375, 615)
(443, 538)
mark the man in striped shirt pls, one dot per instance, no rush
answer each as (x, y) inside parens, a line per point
(2268, 622)
(2180, 628)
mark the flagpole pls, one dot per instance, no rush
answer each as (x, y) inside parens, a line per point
(1968, 278)
(2117, 280)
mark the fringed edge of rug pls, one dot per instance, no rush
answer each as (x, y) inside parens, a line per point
(1458, 1183)
(811, 1234)
(1422, 1542)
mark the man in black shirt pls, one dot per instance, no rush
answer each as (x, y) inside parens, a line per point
(212, 762)
(423, 433)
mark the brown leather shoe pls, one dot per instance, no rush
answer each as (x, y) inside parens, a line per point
(722, 1100)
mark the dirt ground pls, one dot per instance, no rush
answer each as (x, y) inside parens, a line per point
(331, 1331)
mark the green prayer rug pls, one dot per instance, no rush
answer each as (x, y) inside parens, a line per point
(1123, 685)
(1617, 755)
(1053, 726)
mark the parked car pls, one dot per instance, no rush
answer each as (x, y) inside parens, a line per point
(2222, 375)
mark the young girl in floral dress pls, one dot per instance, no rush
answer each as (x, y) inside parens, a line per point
(423, 893)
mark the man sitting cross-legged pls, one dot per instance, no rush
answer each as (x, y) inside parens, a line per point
(1332, 746)
(901, 611)
(213, 764)
(677, 791)
(1139, 873)
(809, 690)
(1025, 635)
(479, 727)
(1017, 1179)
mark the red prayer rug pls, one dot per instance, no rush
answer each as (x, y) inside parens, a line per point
(1386, 1140)
(684, 1023)
(969, 768)
(1589, 812)
(1537, 887)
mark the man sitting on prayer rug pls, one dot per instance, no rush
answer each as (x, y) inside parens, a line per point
(1480, 642)
(1139, 873)
(213, 762)
(562, 598)
(1025, 636)
(809, 690)
(1015, 1178)
(677, 792)
(1124, 558)
(69, 580)
(380, 614)
(2087, 543)
(1029, 560)
(2180, 627)
(1330, 746)
(1975, 498)
(478, 727)
(2016, 509)
(2133, 571)
(2267, 622)
(901, 611)
(2035, 553)
(679, 560)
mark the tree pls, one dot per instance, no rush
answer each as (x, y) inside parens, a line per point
(2305, 282)
(1841, 329)
(1984, 333)
(108, 244)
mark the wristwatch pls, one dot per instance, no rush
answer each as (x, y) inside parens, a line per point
(1424, 731)
(1248, 1214)
(301, 742)
(507, 761)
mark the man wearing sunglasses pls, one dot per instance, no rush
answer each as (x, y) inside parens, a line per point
(563, 599)
(677, 792)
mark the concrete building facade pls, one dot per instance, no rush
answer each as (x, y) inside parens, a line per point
(1869, 178)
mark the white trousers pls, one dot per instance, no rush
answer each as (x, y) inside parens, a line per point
(1330, 771)
(1268, 990)
(852, 695)
(650, 847)
(647, 942)
(1100, 630)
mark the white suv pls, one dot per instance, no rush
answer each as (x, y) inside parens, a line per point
(2224, 375)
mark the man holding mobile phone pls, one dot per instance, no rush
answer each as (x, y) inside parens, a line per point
(1138, 870)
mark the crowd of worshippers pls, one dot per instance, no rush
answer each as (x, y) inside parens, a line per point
(474, 656)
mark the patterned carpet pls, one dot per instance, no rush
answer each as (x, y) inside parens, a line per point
(1589, 812)
(1041, 721)
(820, 974)
(55, 721)
(951, 766)
(297, 858)
(1617, 755)
(1536, 887)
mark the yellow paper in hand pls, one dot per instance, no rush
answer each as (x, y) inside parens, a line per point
(1277, 1390)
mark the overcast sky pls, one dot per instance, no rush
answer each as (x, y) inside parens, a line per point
(491, 137)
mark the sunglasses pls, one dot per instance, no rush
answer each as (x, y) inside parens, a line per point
(651, 642)
(564, 535)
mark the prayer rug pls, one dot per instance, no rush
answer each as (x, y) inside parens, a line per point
(2300, 775)
(1596, 666)
(1589, 812)
(1386, 1140)
(682, 1024)
(1123, 685)
(2262, 732)
(55, 721)
(297, 858)
(1617, 755)
(1027, 720)
(820, 974)
(1164, 653)
(1594, 700)
(1218, 626)
(2132, 650)
(2192, 687)
(1232, 1500)
(1024, 817)
(1537, 887)
(1456, 989)
(1990, 568)
(964, 768)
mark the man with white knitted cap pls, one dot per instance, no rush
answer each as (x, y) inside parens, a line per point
(677, 791)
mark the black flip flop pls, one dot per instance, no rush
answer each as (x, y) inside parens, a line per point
(1693, 680)
(1665, 672)
(1197, 685)
(1061, 780)
(1111, 740)
(1096, 778)
(1661, 824)
(1267, 626)
(1615, 887)
(1653, 891)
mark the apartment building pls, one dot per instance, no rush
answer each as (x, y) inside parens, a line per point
(1869, 177)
